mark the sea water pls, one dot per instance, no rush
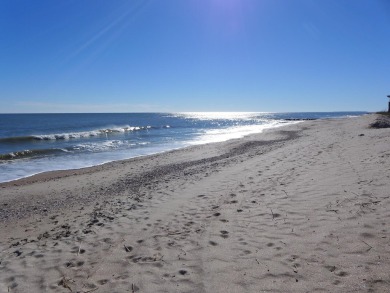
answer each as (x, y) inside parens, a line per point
(35, 143)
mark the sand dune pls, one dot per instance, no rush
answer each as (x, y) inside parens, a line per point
(304, 208)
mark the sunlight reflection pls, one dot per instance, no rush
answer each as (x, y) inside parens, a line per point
(220, 115)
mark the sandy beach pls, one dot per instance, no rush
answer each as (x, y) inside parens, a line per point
(303, 208)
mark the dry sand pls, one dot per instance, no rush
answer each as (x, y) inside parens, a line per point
(305, 208)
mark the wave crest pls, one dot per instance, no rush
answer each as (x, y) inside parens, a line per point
(30, 153)
(78, 135)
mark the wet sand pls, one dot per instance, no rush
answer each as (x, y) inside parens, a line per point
(304, 208)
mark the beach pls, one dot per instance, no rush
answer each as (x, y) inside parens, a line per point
(300, 208)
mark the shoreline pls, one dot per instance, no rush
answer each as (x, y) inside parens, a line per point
(53, 174)
(16, 167)
(64, 172)
(209, 151)
(301, 208)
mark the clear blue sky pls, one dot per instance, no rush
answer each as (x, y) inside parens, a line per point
(194, 55)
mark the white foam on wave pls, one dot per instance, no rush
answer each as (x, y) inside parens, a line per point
(67, 135)
(92, 133)
(100, 146)
(107, 145)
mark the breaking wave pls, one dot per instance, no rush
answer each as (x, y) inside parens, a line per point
(30, 153)
(78, 135)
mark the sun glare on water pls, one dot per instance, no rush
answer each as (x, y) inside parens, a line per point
(219, 115)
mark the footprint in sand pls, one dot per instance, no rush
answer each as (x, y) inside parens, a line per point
(102, 282)
(330, 268)
(342, 274)
(224, 234)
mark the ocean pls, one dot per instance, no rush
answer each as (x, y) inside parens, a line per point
(35, 143)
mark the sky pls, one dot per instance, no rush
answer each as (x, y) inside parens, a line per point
(194, 55)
